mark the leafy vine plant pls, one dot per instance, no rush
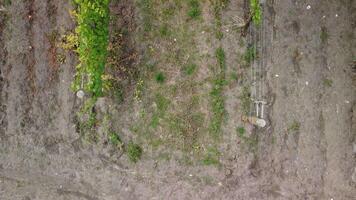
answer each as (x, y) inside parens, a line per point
(92, 17)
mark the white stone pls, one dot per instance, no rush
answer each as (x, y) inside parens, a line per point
(80, 94)
(308, 7)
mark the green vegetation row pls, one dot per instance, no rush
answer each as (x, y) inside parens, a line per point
(217, 98)
(92, 30)
(256, 11)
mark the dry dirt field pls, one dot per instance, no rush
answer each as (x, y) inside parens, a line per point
(183, 73)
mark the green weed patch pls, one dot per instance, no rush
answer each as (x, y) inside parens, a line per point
(92, 18)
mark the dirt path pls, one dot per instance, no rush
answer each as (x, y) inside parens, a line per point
(313, 89)
(306, 152)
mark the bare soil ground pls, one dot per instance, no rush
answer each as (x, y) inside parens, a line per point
(307, 150)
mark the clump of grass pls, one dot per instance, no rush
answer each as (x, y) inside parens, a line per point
(115, 140)
(147, 14)
(324, 34)
(217, 98)
(245, 99)
(189, 69)
(218, 6)
(328, 82)
(194, 11)
(163, 30)
(294, 126)
(162, 104)
(134, 152)
(241, 131)
(256, 11)
(160, 77)
(220, 56)
(211, 157)
(250, 54)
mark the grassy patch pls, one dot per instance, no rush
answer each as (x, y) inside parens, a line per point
(250, 55)
(324, 35)
(134, 152)
(164, 30)
(328, 82)
(162, 104)
(256, 11)
(194, 9)
(294, 126)
(250, 141)
(216, 95)
(115, 140)
(160, 77)
(218, 6)
(245, 99)
(211, 157)
(241, 131)
(189, 69)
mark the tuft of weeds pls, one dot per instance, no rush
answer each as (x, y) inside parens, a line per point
(256, 11)
(250, 55)
(160, 77)
(163, 30)
(211, 157)
(251, 141)
(245, 99)
(220, 56)
(162, 104)
(327, 82)
(241, 131)
(294, 126)
(7, 3)
(146, 7)
(194, 11)
(115, 140)
(134, 151)
(189, 69)
(218, 6)
(217, 98)
(324, 35)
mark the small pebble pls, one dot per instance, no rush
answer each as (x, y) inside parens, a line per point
(336, 15)
(346, 101)
(276, 75)
(80, 94)
(306, 83)
(308, 7)
(227, 30)
(190, 175)
(175, 39)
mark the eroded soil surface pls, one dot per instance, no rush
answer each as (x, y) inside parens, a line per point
(307, 150)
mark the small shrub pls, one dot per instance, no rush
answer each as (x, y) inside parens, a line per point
(134, 152)
(160, 78)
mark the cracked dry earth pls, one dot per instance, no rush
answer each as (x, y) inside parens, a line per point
(41, 156)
